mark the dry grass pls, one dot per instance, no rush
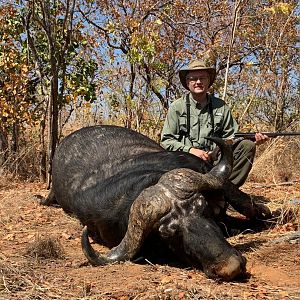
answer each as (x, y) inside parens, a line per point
(15, 277)
(45, 248)
(278, 161)
(288, 213)
(6, 178)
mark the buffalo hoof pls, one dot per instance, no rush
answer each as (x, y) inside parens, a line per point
(44, 200)
(50, 200)
(229, 269)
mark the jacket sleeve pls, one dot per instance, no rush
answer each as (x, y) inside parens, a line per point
(170, 134)
(230, 126)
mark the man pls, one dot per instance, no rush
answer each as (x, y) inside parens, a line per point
(198, 114)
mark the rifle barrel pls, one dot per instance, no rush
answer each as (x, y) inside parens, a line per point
(269, 134)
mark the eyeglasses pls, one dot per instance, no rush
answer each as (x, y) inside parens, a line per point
(195, 78)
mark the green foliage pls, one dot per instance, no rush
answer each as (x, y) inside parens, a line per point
(76, 72)
(142, 48)
(80, 80)
(16, 83)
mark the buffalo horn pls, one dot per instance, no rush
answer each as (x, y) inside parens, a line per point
(223, 169)
(145, 212)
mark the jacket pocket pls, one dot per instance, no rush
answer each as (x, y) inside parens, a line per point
(183, 130)
(218, 123)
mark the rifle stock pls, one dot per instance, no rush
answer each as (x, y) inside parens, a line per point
(251, 135)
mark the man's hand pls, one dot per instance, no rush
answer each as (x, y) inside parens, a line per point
(206, 156)
(260, 138)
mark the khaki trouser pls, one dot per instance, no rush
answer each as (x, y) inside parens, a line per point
(243, 156)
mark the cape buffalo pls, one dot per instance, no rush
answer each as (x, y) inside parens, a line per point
(125, 189)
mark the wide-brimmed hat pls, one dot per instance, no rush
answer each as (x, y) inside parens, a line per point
(195, 66)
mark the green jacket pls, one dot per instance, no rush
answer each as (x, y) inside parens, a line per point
(201, 123)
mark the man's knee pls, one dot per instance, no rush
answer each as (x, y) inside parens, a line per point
(243, 155)
(246, 146)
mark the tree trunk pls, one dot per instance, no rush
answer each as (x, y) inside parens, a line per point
(53, 124)
(3, 147)
(15, 138)
(43, 151)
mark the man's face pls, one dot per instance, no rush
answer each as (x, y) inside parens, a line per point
(198, 81)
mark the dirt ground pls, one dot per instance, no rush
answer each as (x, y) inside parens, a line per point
(273, 264)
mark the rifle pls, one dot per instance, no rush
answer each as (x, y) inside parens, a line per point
(251, 135)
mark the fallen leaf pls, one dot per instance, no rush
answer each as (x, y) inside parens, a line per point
(284, 293)
(30, 236)
(9, 237)
(166, 280)
(66, 236)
